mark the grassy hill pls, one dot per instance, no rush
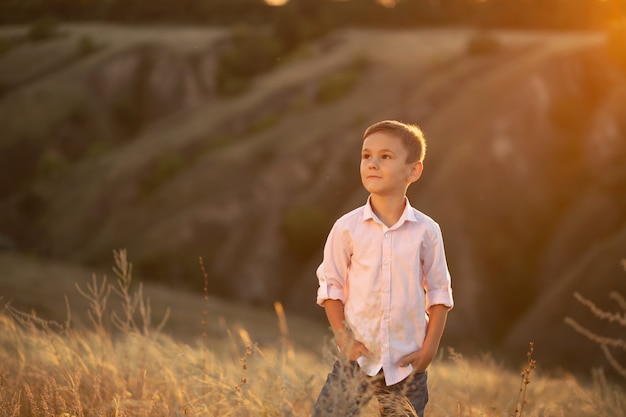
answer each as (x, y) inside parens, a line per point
(116, 137)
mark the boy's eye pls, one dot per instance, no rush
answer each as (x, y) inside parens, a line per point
(365, 156)
(386, 156)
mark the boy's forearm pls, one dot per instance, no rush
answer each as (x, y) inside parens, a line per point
(438, 316)
(337, 320)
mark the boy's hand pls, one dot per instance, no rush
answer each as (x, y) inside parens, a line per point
(419, 359)
(423, 357)
(349, 348)
(353, 349)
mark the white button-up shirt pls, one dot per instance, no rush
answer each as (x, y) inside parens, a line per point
(387, 278)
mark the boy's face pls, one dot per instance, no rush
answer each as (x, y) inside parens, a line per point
(384, 170)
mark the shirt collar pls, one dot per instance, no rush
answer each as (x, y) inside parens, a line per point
(408, 215)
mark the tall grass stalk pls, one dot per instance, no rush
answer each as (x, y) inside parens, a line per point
(521, 397)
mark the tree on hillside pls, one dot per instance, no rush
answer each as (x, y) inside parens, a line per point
(299, 21)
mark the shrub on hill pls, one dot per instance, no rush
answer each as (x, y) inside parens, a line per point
(43, 29)
(5, 44)
(263, 122)
(86, 45)
(161, 170)
(51, 161)
(299, 22)
(251, 51)
(254, 49)
(338, 84)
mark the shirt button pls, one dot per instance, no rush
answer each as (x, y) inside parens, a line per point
(386, 290)
(386, 263)
(387, 235)
(385, 344)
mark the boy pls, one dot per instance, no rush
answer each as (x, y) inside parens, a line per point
(384, 284)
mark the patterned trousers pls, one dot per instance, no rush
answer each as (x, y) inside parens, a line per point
(348, 390)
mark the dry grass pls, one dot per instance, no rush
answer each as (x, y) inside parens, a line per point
(122, 365)
(607, 343)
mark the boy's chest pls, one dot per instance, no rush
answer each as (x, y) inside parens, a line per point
(390, 248)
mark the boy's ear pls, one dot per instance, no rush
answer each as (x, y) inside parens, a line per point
(416, 171)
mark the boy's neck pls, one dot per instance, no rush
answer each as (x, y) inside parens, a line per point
(388, 209)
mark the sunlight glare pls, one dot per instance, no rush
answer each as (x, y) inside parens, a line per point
(388, 3)
(276, 2)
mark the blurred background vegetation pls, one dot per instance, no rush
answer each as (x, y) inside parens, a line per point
(313, 16)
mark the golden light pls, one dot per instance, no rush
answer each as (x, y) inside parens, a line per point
(388, 3)
(276, 2)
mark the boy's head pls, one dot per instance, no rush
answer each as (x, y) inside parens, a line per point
(410, 135)
(391, 157)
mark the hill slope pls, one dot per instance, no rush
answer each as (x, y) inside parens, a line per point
(130, 146)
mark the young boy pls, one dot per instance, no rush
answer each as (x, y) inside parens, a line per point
(384, 284)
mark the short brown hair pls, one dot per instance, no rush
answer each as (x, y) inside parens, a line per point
(411, 136)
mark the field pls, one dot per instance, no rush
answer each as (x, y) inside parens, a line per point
(116, 136)
(124, 360)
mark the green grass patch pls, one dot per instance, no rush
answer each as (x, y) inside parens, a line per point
(340, 83)
(43, 29)
(98, 148)
(86, 45)
(163, 169)
(219, 141)
(5, 45)
(51, 162)
(263, 122)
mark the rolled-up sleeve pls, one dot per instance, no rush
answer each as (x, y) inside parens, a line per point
(436, 276)
(333, 270)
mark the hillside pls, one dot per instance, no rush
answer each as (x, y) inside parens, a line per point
(126, 143)
(52, 290)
